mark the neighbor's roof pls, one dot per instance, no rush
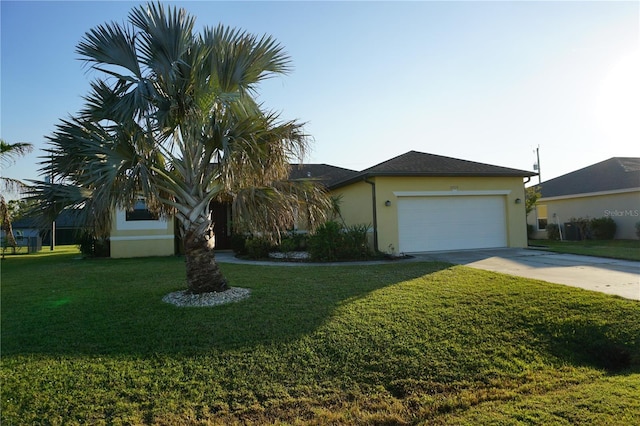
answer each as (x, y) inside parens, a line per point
(324, 173)
(613, 174)
(66, 219)
(414, 163)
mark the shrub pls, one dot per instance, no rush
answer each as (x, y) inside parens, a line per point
(323, 243)
(638, 229)
(90, 246)
(293, 241)
(354, 244)
(287, 245)
(330, 242)
(603, 228)
(257, 247)
(553, 232)
(531, 229)
(583, 226)
(238, 242)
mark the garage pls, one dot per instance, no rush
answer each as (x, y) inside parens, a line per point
(435, 223)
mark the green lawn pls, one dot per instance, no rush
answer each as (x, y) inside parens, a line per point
(90, 341)
(617, 249)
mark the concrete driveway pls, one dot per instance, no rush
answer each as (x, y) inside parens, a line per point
(611, 276)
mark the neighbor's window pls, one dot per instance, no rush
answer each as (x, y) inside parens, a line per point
(541, 214)
(140, 212)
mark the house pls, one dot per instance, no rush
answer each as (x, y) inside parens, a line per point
(415, 202)
(66, 230)
(610, 188)
(419, 202)
(26, 234)
(140, 233)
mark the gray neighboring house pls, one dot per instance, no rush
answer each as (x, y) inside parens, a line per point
(610, 188)
(67, 229)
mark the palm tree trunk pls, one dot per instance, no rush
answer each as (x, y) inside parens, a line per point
(203, 273)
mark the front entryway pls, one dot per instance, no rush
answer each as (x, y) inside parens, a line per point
(221, 217)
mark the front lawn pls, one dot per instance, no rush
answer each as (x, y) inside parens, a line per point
(617, 249)
(90, 341)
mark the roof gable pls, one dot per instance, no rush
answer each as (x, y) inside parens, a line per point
(616, 173)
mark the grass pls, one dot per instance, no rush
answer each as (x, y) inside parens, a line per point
(89, 341)
(616, 249)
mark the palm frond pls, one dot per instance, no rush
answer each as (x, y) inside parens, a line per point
(269, 211)
(11, 185)
(239, 61)
(111, 44)
(52, 198)
(9, 152)
(165, 35)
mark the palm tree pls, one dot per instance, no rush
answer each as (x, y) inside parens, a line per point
(9, 152)
(172, 118)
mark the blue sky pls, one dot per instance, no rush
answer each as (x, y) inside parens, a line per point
(481, 81)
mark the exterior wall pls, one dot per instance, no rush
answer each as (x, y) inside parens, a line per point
(356, 206)
(141, 238)
(357, 202)
(622, 207)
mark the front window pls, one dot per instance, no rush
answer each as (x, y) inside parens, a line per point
(140, 212)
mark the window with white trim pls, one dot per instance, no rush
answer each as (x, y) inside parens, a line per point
(140, 212)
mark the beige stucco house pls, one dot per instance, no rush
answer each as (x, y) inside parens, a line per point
(415, 202)
(420, 202)
(138, 233)
(610, 188)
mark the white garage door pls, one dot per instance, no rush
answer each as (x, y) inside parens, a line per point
(451, 223)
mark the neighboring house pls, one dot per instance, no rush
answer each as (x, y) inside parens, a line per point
(610, 188)
(25, 227)
(415, 202)
(67, 229)
(26, 234)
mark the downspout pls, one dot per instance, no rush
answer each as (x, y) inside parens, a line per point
(526, 216)
(374, 211)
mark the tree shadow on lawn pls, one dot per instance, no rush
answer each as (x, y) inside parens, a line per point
(285, 303)
(580, 342)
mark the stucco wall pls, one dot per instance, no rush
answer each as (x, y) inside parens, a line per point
(355, 205)
(357, 202)
(623, 208)
(141, 238)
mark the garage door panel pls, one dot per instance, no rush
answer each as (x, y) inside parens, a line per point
(451, 223)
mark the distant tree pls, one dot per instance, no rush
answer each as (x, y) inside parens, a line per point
(173, 119)
(19, 209)
(532, 195)
(9, 152)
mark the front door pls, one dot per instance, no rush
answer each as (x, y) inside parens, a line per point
(221, 218)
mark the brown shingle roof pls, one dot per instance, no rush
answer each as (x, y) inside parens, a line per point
(326, 174)
(414, 163)
(613, 174)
